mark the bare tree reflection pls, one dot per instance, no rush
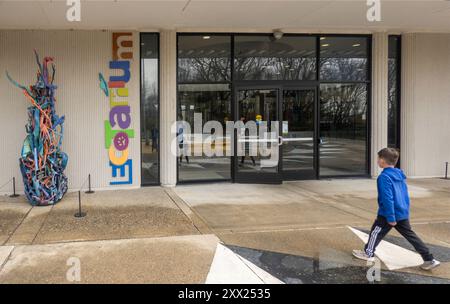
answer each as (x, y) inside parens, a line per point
(343, 110)
(204, 69)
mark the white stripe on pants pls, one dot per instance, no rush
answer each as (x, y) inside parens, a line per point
(372, 240)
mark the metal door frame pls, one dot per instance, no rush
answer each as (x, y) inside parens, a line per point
(276, 178)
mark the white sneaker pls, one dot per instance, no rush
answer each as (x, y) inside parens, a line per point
(429, 265)
(362, 255)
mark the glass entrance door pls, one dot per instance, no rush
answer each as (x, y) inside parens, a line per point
(262, 156)
(299, 148)
(256, 157)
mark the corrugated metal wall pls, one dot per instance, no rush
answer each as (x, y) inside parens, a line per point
(79, 57)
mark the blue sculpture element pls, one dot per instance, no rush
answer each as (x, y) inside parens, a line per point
(42, 162)
(103, 84)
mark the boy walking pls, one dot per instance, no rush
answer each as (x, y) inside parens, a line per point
(393, 211)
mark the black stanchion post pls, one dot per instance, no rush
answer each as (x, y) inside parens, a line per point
(89, 183)
(14, 188)
(79, 213)
(446, 170)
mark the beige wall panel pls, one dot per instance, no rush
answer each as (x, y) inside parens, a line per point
(426, 104)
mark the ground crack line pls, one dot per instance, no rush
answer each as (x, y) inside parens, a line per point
(17, 227)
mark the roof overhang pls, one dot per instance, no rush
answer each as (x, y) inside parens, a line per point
(230, 15)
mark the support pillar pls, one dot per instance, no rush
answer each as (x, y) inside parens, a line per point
(379, 124)
(168, 109)
(408, 86)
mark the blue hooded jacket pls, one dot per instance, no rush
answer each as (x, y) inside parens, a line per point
(393, 197)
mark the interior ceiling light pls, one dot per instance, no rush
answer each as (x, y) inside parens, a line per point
(357, 44)
(323, 38)
(206, 37)
(325, 44)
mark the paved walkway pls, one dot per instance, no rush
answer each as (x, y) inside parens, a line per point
(297, 232)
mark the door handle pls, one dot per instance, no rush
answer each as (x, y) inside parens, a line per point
(297, 139)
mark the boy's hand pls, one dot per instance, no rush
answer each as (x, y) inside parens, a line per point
(392, 223)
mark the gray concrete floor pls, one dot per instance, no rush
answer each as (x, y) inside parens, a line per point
(157, 235)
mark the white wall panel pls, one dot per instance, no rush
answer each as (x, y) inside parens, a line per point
(425, 104)
(79, 57)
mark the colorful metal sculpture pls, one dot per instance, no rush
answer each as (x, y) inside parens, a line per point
(42, 162)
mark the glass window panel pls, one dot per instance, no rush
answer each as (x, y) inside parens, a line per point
(204, 58)
(343, 129)
(264, 58)
(213, 102)
(149, 109)
(393, 92)
(343, 58)
(298, 122)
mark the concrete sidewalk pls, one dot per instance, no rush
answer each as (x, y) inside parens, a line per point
(174, 259)
(310, 219)
(141, 213)
(297, 232)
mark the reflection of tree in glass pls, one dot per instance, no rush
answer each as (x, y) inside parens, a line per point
(392, 102)
(275, 68)
(343, 69)
(343, 110)
(206, 69)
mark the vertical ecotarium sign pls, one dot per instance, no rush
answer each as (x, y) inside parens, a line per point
(117, 126)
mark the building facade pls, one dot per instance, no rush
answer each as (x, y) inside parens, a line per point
(338, 93)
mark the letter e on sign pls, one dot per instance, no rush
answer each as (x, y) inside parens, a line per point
(122, 46)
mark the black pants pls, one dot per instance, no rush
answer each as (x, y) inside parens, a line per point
(381, 227)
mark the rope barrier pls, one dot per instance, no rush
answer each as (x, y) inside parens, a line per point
(6, 183)
(84, 183)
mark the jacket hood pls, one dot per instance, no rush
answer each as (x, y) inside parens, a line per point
(395, 174)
